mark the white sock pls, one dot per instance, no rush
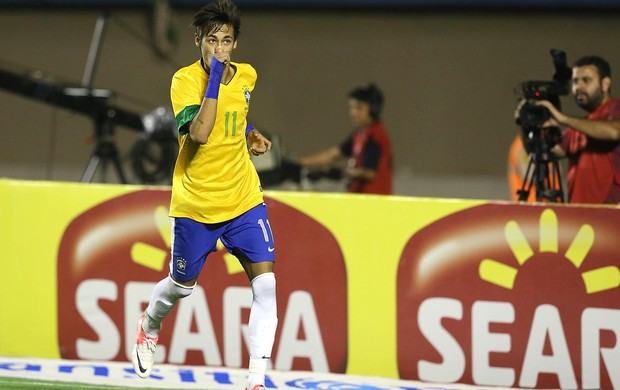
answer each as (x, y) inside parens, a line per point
(163, 298)
(263, 322)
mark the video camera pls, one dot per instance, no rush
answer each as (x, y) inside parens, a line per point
(532, 117)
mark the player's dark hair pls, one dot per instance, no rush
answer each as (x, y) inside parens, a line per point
(213, 16)
(371, 95)
(602, 66)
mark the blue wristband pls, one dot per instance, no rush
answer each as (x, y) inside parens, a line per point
(248, 128)
(215, 78)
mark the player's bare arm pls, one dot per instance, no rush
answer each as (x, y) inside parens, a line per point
(221, 71)
(202, 125)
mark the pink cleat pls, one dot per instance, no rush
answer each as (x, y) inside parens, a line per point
(143, 354)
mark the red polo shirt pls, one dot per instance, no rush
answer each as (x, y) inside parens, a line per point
(370, 148)
(594, 165)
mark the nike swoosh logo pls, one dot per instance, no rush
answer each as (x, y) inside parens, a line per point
(142, 369)
(270, 249)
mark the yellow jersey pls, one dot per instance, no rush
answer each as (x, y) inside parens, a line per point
(217, 181)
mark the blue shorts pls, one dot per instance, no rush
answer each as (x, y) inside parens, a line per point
(248, 235)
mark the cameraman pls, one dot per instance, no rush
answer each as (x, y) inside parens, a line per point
(592, 144)
(367, 148)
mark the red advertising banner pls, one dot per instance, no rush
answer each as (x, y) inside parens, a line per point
(112, 255)
(434, 290)
(512, 295)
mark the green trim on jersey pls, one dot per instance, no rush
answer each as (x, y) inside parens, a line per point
(185, 116)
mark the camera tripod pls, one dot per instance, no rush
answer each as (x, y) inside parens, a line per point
(543, 172)
(105, 150)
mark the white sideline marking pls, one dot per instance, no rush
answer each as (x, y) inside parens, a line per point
(200, 377)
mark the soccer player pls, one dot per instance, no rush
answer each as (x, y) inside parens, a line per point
(216, 192)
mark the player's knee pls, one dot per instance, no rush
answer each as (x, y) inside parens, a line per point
(264, 284)
(179, 290)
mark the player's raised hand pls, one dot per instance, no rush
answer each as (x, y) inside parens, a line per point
(259, 144)
(221, 56)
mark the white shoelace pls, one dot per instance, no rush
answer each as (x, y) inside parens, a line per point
(150, 344)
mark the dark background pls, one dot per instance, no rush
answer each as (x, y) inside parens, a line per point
(448, 70)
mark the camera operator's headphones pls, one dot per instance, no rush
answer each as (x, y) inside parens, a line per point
(371, 95)
(375, 103)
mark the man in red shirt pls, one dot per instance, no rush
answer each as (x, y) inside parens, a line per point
(592, 144)
(368, 147)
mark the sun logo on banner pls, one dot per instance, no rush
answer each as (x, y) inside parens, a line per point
(503, 275)
(155, 258)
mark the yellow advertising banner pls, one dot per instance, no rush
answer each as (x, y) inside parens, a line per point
(440, 290)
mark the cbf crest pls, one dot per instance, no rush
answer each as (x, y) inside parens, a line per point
(246, 94)
(180, 264)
